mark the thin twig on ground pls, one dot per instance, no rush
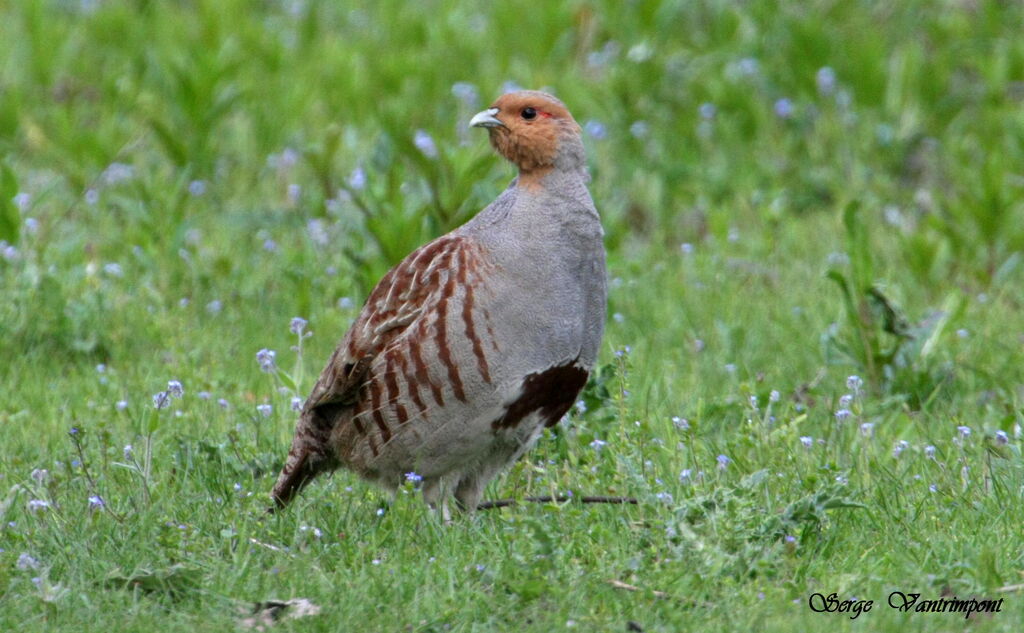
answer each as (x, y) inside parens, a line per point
(503, 503)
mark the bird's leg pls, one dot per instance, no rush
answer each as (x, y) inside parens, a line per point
(472, 482)
(431, 491)
(435, 494)
(469, 491)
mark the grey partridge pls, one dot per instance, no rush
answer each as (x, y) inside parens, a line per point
(474, 343)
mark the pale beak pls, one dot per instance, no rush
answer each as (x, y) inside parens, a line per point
(486, 119)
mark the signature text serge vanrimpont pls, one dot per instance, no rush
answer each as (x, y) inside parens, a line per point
(906, 602)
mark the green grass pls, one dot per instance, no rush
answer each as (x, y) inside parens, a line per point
(180, 157)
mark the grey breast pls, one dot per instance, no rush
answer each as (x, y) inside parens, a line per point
(549, 294)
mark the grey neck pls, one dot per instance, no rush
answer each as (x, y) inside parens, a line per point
(567, 182)
(571, 155)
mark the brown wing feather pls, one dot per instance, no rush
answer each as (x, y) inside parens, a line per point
(402, 295)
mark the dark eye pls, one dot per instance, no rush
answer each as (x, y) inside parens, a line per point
(529, 113)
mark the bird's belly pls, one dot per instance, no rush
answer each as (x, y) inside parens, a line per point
(495, 421)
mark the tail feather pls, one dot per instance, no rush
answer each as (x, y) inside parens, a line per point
(309, 456)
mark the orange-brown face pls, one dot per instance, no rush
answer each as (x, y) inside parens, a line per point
(527, 128)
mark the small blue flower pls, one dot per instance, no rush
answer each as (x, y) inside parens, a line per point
(318, 232)
(807, 441)
(425, 143)
(843, 414)
(9, 252)
(96, 502)
(161, 400)
(826, 80)
(197, 188)
(595, 129)
(265, 410)
(413, 477)
(597, 445)
(929, 452)
(26, 562)
(723, 462)
(748, 66)
(22, 200)
(175, 389)
(117, 173)
(1002, 437)
(357, 179)
(898, 449)
(288, 158)
(265, 357)
(707, 111)
(854, 383)
(640, 129)
(298, 325)
(784, 108)
(466, 93)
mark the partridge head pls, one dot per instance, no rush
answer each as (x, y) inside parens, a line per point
(474, 343)
(535, 132)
